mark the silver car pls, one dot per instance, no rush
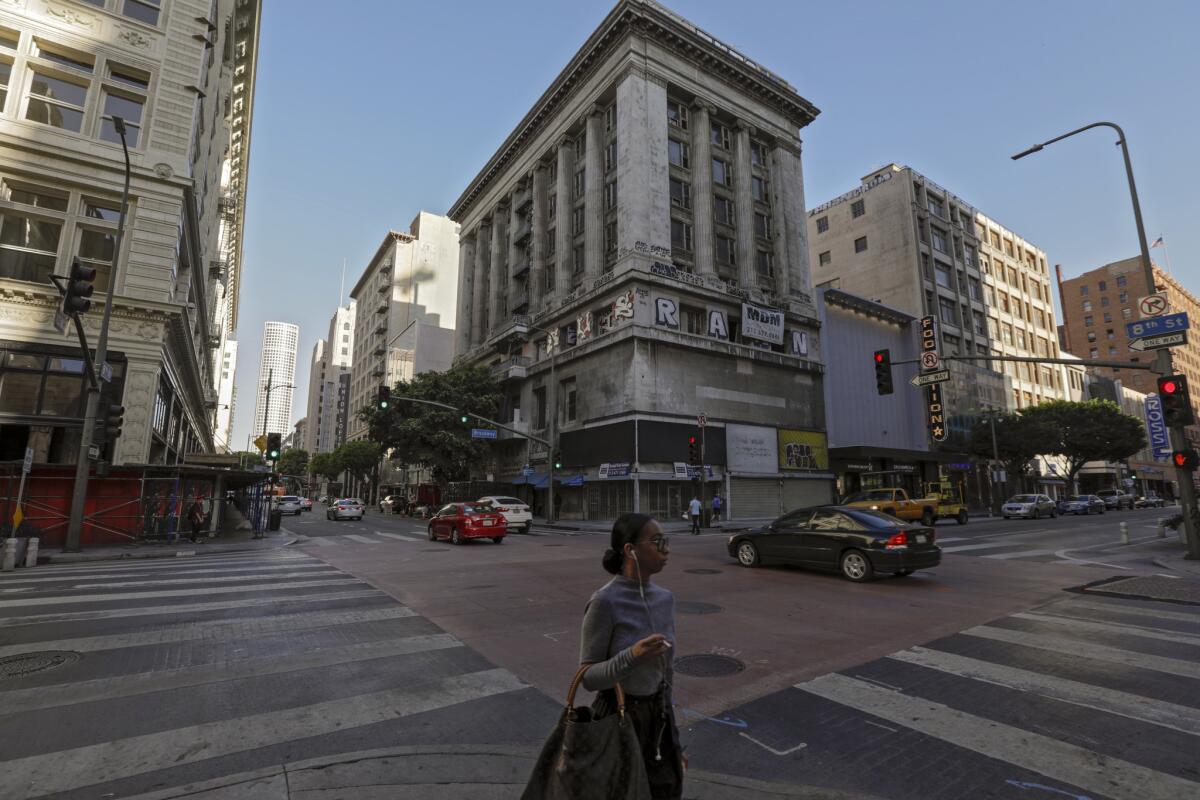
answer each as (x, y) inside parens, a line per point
(1032, 506)
(288, 504)
(346, 508)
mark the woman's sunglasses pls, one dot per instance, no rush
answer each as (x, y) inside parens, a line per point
(660, 542)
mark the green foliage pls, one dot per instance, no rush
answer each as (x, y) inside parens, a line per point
(359, 458)
(293, 462)
(1018, 439)
(433, 437)
(248, 458)
(326, 465)
(1093, 431)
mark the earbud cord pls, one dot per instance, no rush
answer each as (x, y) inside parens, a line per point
(662, 659)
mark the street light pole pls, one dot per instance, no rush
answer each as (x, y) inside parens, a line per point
(1162, 364)
(83, 464)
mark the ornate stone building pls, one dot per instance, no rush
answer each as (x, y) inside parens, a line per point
(640, 237)
(181, 74)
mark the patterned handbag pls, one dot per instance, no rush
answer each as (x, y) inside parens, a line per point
(589, 759)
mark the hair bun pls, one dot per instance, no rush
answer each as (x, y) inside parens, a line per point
(611, 561)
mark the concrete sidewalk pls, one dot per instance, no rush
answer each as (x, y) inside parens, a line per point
(180, 548)
(442, 772)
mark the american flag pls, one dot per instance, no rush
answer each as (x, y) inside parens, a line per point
(1157, 242)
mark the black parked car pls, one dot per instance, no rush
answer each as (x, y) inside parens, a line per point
(857, 542)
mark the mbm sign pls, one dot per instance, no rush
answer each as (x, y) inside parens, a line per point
(1156, 428)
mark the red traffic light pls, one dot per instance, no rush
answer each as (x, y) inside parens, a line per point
(879, 358)
(691, 440)
(1169, 387)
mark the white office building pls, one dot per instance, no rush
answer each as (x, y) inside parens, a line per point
(277, 365)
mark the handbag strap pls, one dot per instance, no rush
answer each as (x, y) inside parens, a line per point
(578, 679)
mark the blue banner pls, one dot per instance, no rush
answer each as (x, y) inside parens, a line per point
(483, 433)
(1156, 428)
(1153, 326)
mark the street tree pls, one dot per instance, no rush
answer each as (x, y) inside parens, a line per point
(247, 459)
(325, 465)
(359, 458)
(431, 437)
(293, 462)
(1093, 431)
(1018, 440)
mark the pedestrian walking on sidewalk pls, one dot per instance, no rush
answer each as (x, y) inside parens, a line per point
(716, 507)
(196, 517)
(628, 638)
(694, 510)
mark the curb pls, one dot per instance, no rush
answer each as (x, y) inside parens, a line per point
(83, 558)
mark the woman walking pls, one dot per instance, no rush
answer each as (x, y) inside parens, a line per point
(628, 637)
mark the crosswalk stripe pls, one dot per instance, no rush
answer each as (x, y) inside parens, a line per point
(396, 536)
(1078, 766)
(1077, 648)
(1020, 554)
(181, 571)
(363, 539)
(215, 630)
(328, 570)
(169, 563)
(321, 541)
(986, 546)
(107, 761)
(1114, 607)
(120, 686)
(192, 592)
(1111, 627)
(944, 539)
(1112, 701)
(154, 611)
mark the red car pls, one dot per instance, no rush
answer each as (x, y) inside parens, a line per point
(459, 522)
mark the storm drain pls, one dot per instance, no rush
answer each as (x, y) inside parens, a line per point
(707, 665)
(28, 663)
(692, 607)
(1172, 590)
(702, 571)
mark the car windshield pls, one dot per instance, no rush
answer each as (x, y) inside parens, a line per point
(507, 501)
(287, 498)
(348, 503)
(475, 508)
(1024, 498)
(1077, 499)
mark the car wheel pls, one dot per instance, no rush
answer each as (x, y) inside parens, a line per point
(432, 535)
(498, 539)
(1053, 513)
(928, 518)
(904, 573)
(961, 519)
(1037, 514)
(747, 554)
(1103, 510)
(455, 538)
(528, 527)
(856, 566)
(1006, 516)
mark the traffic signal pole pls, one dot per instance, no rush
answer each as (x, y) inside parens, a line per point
(83, 463)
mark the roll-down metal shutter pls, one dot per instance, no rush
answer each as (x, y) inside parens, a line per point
(753, 497)
(804, 493)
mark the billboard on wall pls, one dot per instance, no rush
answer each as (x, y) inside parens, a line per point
(751, 448)
(806, 450)
(764, 324)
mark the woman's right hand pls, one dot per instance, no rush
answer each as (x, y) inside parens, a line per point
(652, 646)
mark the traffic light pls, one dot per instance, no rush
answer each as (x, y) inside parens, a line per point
(693, 451)
(557, 459)
(114, 418)
(1176, 405)
(274, 445)
(385, 397)
(77, 300)
(883, 371)
(464, 418)
(1187, 459)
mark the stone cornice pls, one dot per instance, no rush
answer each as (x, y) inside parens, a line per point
(638, 17)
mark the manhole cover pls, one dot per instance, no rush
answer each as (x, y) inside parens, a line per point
(27, 663)
(706, 665)
(702, 571)
(692, 607)
(1171, 590)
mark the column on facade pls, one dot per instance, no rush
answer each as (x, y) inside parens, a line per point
(495, 282)
(564, 202)
(744, 205)
(786, 171)
(593, 206)
(466, 295)
(478, 296)
(702, 193)
(537, 240)
(783, 229)
(514, 224)
(643, 199)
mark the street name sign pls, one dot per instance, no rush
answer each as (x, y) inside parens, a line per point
(926, 378)
(1167, 323)
(1159, 342)
(527, 471)
(1153, 305)
(483, 433)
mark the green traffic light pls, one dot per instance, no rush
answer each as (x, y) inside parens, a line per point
(465, 419)
(383, 404)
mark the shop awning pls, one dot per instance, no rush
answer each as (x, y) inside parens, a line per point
(541, 480)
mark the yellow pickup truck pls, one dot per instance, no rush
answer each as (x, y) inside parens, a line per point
(897, 503)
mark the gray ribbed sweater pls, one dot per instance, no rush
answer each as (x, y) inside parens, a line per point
(615, 618)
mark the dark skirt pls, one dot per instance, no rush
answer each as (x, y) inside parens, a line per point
(654, 723)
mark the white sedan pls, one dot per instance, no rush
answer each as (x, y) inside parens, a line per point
(347, 508)
(288, 504)
(516, 512)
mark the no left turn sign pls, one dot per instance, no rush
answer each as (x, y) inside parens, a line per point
(1152, 305)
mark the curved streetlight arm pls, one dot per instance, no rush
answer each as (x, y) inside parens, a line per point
(1045, 144)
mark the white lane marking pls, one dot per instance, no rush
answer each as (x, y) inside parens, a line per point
(66, 770)
(1112, 701)
(1063, 555)
(885, 727)
(215, 630)
(1165, 575)
(987, 546)
(179, 572)
(1020, 554)
(231, 669)
(1118, 607)
(1044, 755)
(1077, 624)
(155, 564)
(329, 570)
(1080, 649)
(944, 539)
(362, 539)
(321, 541)
(154, 611)
(396, 536)
(191, 592)
(770, 749)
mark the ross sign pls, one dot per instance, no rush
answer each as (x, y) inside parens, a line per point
(27, 464)
(930, 360)
(106, 372)
(802, 450)
(620, 470)
(936, 412)
(1168, 323)
(1159, 342)
(1153, 305)
(764, 324)
(1156, 428)
(483, 433)
(926, 378)
(701, 420)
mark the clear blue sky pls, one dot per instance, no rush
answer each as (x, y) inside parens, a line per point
(365, 116)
